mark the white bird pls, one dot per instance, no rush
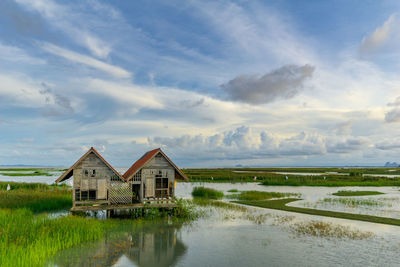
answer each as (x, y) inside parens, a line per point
(286, 177)
(8, 187)
(255, 178)
(212, 178)
(324, 178)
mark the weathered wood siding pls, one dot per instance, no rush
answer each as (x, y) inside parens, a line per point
(156, 166)
(97, 180)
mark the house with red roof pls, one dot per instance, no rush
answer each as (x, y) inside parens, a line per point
(151, 180)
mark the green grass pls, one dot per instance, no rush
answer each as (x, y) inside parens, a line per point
(267, 176)
(35, 196)
(31, 170)
(259, 195)
(205, 192)
(233, 191)
(26, 174)
(346, 193)
(354, 202)
(280, 204)
(29, 240)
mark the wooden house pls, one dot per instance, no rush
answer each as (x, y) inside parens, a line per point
(98, 186)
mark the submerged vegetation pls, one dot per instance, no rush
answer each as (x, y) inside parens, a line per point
(328, 230)
(205, 192)
(260, 195)
(280, 204)
(346, 193)
(354, 202)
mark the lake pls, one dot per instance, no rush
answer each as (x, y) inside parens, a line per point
(257, 237)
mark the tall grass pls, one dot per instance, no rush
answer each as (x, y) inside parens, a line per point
(36, 201)
(205, 192)
(260, 195)
(346, 193)
(29, 240)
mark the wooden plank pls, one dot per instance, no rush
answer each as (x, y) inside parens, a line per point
(124, 207)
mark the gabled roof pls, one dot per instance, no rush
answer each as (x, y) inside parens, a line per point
(147, 157)
(68, 173)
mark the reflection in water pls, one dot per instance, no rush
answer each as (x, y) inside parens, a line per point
(155, 244)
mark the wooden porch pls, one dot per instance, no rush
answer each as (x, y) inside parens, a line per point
(125, 206)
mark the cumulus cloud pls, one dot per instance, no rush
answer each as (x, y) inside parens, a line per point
(379, 37)
(281, 83)
(245, 143)
(344, 128)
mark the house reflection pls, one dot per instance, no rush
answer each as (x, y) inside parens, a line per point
(148, 245)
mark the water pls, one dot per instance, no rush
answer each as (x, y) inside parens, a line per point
(229, 238)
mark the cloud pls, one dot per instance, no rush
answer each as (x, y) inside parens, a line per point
(379, 37)
(16, 54)
(244, 143)
(70, 21)
(86, 60)
(344, 128)
(394, 114)
(58, 105)
(282, 83)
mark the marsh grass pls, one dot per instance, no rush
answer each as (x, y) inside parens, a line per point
(348, 193)
(26, 174)
(233, 191)
(32, 186)
(30, 240)
(267, 176)
(329, 230)
(260, 195)
(207, 193)
(355, 202)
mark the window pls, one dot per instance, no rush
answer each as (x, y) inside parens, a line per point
(92, 194)
(77, 195)
(115, 178)
(161, 187)
(86, 173)
(93, 173)
(84, 195)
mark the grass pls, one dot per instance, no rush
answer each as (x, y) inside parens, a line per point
(29, 240)
(35, 196)
(329, 230)
(26, 174)
(259, 195)
(354, 202)
(346, 193)
(267, 176)
(233, 191)
(208, 193)
(280, 204)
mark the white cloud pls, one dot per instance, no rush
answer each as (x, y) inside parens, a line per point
(86, 60)
(16, 54)
(379, 37)
(74, 24)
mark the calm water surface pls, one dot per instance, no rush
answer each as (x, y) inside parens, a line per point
(228, 238)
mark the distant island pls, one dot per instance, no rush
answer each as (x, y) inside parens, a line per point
(391, 164)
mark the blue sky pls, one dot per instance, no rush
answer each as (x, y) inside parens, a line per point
(213, 83)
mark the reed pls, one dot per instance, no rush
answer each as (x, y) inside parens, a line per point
(260, 195)
(346, 193)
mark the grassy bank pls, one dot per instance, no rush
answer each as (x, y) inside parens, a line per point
(280, 204)
(345, 193)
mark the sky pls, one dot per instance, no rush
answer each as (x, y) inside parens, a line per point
(213, 83)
